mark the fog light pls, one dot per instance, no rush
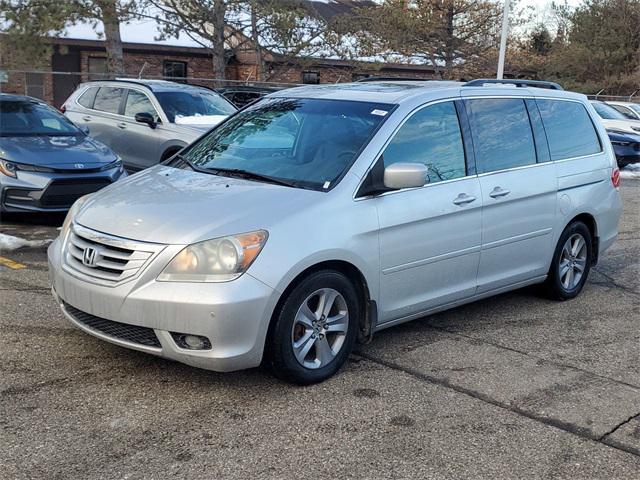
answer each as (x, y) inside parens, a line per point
(191, 342)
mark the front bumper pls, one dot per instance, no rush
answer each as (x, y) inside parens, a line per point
(51, 192)
(234, 316)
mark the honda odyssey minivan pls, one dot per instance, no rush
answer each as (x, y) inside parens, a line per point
(321, 215)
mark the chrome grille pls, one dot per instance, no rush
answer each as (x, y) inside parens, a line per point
(103, 258)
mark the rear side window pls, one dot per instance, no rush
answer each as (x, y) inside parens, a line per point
(108, 99)
(570, 131)
(87, 98)
(432, 137)
(501, 132)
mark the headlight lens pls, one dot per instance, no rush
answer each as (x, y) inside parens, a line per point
(217, 260)
(8, 168)
(73, 211)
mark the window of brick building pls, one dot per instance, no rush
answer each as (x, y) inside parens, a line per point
(311, 77)
(97, 68)
(175, 70)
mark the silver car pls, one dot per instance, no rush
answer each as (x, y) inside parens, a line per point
(323, 214)
(146, 121)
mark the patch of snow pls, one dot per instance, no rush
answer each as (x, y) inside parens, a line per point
(200, 119)
(9, 242)
(631, 171)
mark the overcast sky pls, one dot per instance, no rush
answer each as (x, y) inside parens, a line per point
(145, 31)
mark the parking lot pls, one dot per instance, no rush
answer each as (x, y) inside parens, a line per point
(511, 387)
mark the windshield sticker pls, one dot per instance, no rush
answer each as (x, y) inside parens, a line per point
(326, 185)
(380, 113)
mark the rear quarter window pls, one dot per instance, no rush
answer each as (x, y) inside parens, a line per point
(87, 98)
(570, 131)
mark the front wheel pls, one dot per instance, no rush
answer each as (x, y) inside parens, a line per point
(571, 262)
(315, 329)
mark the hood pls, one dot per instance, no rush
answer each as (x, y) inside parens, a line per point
(56, 152)
(174, 206)
(628, 126)
(623, 137)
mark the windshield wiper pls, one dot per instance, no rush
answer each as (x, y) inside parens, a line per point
(172, 160)
(234, 171)
(251, 176)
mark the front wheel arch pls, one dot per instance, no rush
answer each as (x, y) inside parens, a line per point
(367, 321)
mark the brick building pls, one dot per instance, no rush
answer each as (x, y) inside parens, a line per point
(74, 61)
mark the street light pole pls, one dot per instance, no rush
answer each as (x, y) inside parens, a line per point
(503, 39)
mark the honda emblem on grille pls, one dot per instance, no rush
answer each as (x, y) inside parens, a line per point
(89, 257)
(79, 165)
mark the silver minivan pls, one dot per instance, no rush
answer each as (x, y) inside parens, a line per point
(320, 215)
(145, 121)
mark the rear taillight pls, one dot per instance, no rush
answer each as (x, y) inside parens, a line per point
(615, 177)
(63, 109)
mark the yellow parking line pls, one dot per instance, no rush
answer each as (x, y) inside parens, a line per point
(11, 264)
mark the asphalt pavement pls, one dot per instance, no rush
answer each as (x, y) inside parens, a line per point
(515, 386)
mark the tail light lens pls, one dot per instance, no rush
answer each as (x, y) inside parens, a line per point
(63, 109)
(615, 177)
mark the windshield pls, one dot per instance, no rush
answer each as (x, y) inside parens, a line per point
(607, 112)
(29, 118)
(179, 106)
(635, 107)
(306, 142)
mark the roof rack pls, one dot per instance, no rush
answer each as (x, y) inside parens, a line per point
(374, 78)
(517, 83)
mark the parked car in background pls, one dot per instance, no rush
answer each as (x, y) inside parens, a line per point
(47, 162)
(146, 121)
(319, 215)
(626, 146)
(612, 119)
(628, 109)
(243, 95)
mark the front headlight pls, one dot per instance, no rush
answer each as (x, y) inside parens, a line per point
(218, 260)
(8, 168)
(73, 211)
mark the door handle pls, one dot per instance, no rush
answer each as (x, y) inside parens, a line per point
(86, 118)
(463, 198)
(122, 125)
(499, 192)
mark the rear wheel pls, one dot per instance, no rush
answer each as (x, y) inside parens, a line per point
(315, 329)
(571, 262)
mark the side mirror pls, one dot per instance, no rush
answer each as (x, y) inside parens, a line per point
(146, 117)
(405, 175)
(84, 129)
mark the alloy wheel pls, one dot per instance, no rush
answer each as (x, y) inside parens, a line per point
(320, 328)
(573, 261)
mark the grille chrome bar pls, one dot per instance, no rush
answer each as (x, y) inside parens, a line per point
(105, 259)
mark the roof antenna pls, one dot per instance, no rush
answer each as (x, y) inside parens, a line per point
(144, 65)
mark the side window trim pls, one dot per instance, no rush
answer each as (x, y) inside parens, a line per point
(540, 140)
(467, 139)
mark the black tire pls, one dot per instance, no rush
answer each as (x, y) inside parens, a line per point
(554, 286)
(169, 153)
(280, 355)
